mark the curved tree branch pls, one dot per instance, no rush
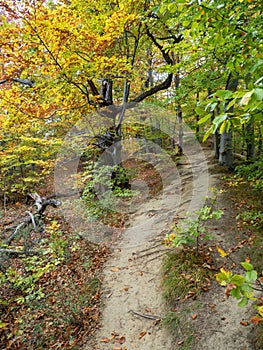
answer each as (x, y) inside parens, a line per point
(162, 86)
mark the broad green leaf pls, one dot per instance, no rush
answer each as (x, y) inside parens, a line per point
(238, 280)
(204, 119)
(223, 277)
(243, 302)
(224, 94)
(246, 98)
(219, 119)
(235, 292)
(259, 94)
(251, 276)
(256, 66)
(250, 295)
(247, 266)
(208, 133)
(199, 110)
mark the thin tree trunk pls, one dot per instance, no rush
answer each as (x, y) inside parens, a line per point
(226, 150)
(250, 140)
(260, 136)
(181, 131)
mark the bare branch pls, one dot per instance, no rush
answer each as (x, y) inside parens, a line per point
(30, 83)
(162, 86)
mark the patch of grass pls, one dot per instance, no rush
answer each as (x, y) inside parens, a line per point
(172, 320)
(185, 274)
(259, 336)
(187, 344)
(182, 330)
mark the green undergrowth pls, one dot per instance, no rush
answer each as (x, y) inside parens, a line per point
(186, 274)
(247, 190)
(51, 300)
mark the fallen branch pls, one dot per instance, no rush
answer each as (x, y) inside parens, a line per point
(32, 220)
(41, 203)
(149, 317)
(16, 253)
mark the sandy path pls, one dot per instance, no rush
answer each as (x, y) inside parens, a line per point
(132, 280)
(132, 277)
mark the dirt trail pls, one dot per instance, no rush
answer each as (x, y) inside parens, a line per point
(132, 281)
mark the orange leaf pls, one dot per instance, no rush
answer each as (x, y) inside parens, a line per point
(194, 317)
(142, 334)
(122, 340)
(105, 340)
(256, 319)
(114, 269)
(229, 288)
(244, 323)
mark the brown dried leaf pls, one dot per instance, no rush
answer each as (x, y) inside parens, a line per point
(114, 269)
(142, 334)
(122, 340)
(104, 340)
(256, 320)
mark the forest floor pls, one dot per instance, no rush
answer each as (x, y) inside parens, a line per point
(133, 304)
(105, 297)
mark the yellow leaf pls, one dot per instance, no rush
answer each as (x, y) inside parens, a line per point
(221, 252)
(260, 310)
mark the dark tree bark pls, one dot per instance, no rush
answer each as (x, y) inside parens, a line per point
(250, 139)
(226, 150)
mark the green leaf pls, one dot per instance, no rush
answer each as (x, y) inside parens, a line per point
(204, 119)
(251, 276)
(249, 295)
(259, 94)
(224, 94)
(235, 292)
(243, 302)
(219, 119)
(246, 98)
(238, 280)
(223, 277)
(199, 110)
(247, 266)
(208, 133)
(172, 7)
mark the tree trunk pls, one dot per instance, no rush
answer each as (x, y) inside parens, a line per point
(259, 150)
(225, 151)
(216, 144)
(181, 131)
(250, 140)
